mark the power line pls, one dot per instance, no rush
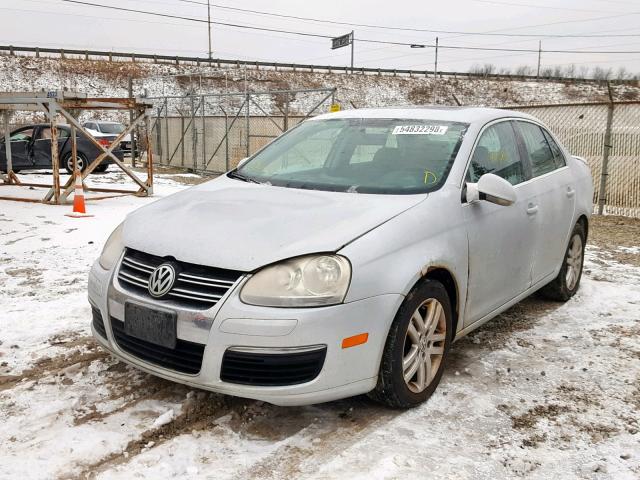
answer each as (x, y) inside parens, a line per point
(423, 30)
(318, 35)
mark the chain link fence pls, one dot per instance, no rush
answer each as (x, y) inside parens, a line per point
(607, 135)
(212, 133)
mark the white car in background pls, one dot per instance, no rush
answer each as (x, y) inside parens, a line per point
(346, 256)
(100, 128)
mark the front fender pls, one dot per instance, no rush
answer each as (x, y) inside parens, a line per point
(393, 257)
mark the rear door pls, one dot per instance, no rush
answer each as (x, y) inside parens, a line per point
(501, 238)
(41, 151)
(555, 190)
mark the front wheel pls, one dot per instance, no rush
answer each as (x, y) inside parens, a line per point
(68, 162)
(566, 284)
(416, 348)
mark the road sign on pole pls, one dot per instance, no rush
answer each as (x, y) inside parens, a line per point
(342, 41)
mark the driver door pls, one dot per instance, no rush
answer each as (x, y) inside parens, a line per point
(20, 148)
(501, 239)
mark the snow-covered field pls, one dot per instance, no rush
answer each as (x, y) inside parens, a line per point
(544, 391)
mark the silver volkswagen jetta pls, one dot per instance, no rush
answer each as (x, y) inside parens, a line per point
(346, 256)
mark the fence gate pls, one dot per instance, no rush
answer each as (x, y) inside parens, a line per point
(607, 135)
(214, 132)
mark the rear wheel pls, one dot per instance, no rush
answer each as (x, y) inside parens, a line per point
(566, 284)
(80, 158)
(416, 349)
(101, 168)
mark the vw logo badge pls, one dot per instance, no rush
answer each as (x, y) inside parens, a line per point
(162, 280)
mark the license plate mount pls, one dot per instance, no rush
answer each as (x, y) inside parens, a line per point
(155, 326)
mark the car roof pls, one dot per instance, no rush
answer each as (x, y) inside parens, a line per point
(436, 112)
(47, 125)
(102, 121)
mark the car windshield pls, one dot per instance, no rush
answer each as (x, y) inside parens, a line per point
(364, 155)
(111, 128)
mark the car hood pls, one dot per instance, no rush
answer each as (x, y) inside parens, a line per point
(231, 224)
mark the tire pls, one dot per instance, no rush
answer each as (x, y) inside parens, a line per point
(101, 168)
(566, 284)
(68, 162)
(392, 389)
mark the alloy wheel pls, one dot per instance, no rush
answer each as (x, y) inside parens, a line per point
(79, 162)
(424, 345)
(574, 262)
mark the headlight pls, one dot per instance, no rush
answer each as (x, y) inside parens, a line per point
(112, 249)
(309, 281)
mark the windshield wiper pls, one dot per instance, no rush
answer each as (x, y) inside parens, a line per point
(239, 176)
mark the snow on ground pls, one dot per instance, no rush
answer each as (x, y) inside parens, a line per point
(544, 391)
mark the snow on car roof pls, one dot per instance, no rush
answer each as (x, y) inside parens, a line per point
(445, 113)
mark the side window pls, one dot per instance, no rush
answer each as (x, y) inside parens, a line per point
(541, 157)
(555, 149)
(45, 133)
(23, 135)
(497, 153)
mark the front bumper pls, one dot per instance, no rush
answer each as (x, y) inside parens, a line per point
(232, 324)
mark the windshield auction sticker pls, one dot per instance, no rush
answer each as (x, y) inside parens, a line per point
(420, 130)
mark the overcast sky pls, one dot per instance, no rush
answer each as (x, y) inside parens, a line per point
(57, 24)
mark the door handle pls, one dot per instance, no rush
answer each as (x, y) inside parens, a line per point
(532, 209)
(570, 192)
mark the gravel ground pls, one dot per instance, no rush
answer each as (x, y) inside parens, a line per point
(620, 236)
(545, 390)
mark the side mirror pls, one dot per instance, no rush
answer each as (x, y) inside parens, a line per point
(242, 162)
(491, 188)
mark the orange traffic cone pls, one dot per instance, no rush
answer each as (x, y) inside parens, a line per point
(78, 199)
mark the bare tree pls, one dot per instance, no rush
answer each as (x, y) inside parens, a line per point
(486, 69)
(524, 70)
(546, 72)
(622, 73)
(600, 73)
(584, 72)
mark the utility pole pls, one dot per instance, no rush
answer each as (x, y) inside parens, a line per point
(539, 57)
(352, 42)
(435, 75)
(209, 26)
(435, 69)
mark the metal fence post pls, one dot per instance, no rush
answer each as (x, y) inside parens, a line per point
(181, 140)
(166, 129)
(204, 136)
(194, 134)
(159, 132)
(133, 132)
(286, 112)
(602, 194)
(247, 123)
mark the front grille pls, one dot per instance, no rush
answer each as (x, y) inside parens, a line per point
(272, 369)
(196, 286)
(98, 323)
(185, 358)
